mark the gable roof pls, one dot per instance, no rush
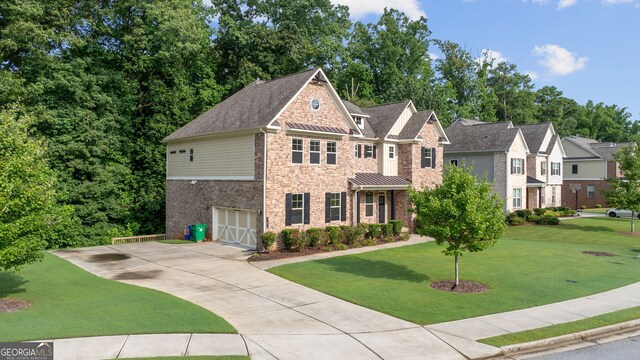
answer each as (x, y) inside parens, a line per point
(382, 117)
(353, 108)
(608, 150)
(415, 124)
(535, 134)
(480, 137)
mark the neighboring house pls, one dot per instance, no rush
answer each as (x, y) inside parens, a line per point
(289, 153)
(588, 163)
(496, 151)
(544, 165)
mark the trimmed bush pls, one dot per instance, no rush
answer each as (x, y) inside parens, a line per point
(583, 207)
(292, 239)
(523, 213)
(397, 226)
(268, 239)
(405, 237)
(534, 218)
(354, 236)
(598, 206)
(515, 221)
(316, 237)
(538, 211)
(373, 231)
(548, 220)
(335, 235)
(369, 242)
(387, 230)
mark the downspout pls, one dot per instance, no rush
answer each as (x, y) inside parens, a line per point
(264, 182)
(506, 181)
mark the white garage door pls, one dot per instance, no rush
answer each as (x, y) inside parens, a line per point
(236, 226)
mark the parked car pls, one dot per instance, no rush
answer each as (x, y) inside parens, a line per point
(620, 213)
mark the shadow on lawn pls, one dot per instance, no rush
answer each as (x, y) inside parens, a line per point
(587, 228)
(374, 269)
(11, 283)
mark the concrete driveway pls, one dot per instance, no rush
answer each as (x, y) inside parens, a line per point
(277, 318)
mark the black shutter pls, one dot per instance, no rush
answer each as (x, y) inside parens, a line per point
(511, 166)
(287, 217)
(327, 207)
(375, 150)
(433, 158)
(307, 208)
(358, 207)
(393, 204)
(423, 156)
(359, 150)
(343, 206)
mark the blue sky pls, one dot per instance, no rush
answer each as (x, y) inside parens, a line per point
(589, 49)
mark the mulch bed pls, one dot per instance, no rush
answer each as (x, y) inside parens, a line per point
(598, 253)
(466, 287)
(11, 305)
(283, 254)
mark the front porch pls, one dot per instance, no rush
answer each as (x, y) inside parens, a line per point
(378, 199)
(535, 193)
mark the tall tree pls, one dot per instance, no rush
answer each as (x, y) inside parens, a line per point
(514, 93)
(625, 193)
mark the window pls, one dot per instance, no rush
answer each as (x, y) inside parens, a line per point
(553, 195)
(172, 152)
(517, 198)
(331, 152)
(543, 168)
(368, 204)
(368, 151)
(542, 193)
(574, 168)
(428, 158)
(392, 151)
(315, 104)
(516, 166)
(297, 209)
(191, 155)
(359, 122)
(296, 150)
(335, 207)
(355, 150)
(314, 152)
(555, 168)
(454, 163)
(591, 191)
(182, 151)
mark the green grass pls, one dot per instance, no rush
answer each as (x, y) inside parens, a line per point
(175, 242)
(596, 210)
(529, 266)
(67, 301)
(564, 329)
(227, 357)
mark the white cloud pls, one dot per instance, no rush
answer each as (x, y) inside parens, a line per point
(615, 2)
(497, 56)
(532, 74)
(563, 4)
(558, 60)
(433, 56)
(361, 8)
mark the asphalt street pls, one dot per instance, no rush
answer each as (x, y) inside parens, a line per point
(626, 349)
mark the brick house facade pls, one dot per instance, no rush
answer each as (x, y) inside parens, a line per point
(295, 155)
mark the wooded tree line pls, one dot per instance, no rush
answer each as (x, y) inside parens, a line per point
(103, 82)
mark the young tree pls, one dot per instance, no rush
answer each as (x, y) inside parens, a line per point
(625, 193)
(463, 213)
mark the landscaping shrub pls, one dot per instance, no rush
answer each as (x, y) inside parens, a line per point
(534, 218)
(316, 237)
(548, 220)
(538, 211)
(516, 220)
(268, 239)
(292, 239)
(335, 235)
(369, 242)
(549, 212)
(583, 207)
(389, 239)
(523, 213)
(598, 206)
(354, 235)
(397, 226)
(373, 231)
(387, 229)
(405, 237)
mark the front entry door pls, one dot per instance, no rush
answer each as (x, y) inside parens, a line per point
(382, 211)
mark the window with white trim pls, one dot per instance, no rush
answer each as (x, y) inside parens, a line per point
(368, 151)
(334, 211)
(517, 198)
(314, 152)
(516, 166)
(542, 196)
(555, 169)
(574, 168)
(392, 151)
(591, 191)
(297, 146)
(543, 168)
(297, 209)
(355, 150)
(359, 122)
(368, 204)
(332, 150)
(553, 195)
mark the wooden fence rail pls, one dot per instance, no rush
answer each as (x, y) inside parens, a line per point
(137, 239)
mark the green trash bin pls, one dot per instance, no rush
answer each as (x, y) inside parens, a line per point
(198, 234)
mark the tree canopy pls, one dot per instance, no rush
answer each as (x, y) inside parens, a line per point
(625, 193)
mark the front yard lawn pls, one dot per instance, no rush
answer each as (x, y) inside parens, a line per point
(67, 301)
(529, 266)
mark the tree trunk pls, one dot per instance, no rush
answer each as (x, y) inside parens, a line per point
(455, 283)
(633, 218)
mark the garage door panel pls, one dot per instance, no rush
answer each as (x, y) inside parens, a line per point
(237, 226)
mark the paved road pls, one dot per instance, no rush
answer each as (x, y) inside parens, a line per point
(627, 349)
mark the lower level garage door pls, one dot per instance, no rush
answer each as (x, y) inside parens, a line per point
(236, 226)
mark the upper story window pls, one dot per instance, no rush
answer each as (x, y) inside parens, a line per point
(332, 150)
(368, 151)
(315, 104)
(191, 155)
(392, 152)
(314, 151)
(574, 168)
(517, 166)
(454, 162)
(428, 158)
(355, 150)
(359, 122)
(543, 168)
(297, 146)
(555, 169)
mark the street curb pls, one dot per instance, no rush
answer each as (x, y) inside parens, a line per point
(554, 342)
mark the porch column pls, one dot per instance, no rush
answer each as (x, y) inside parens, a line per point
(357, 207)
(392, 200)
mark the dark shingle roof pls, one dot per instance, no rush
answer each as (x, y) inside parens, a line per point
(382, 117)
(375, 179)
(481, 137)
(353, 108)
(534, 181)
(252, 107)
(608, 150)
(552, 143)
(534, 135)
(415, 124)
(312, 127)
